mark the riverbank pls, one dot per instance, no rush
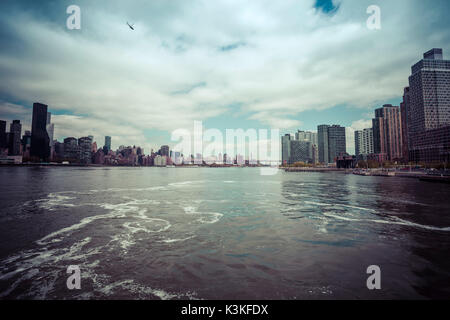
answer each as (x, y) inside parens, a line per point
(306, 169)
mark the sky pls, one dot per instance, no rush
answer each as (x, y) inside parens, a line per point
(231, 64)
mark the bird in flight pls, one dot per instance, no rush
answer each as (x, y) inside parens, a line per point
(131, 26)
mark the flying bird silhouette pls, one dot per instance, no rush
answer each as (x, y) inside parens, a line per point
(131, 26)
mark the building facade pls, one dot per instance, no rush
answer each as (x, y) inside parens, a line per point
(40, 142)
(405, 119)
(71, 150)
(336, 142)
(3, 142)
(363, 142)
(387, 133)
(15, 135)
(322, 138)
(300, 151)
(85, 147)
(107, 146)
(285, 149)
(429, 109)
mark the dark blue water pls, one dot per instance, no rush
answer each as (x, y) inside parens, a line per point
(228, 233)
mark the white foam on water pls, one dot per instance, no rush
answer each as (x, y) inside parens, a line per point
(394, 220)
(118, 211)
(213, 217)
(190, 210)
(184, 183)
(29, 275)
(353, 207)
(176, 240)
(160, 226)
(52, 201)
(138, 289)
(320, 204)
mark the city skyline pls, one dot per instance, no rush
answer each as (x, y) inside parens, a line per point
(397, 133)
(225, 151)
(150, 99)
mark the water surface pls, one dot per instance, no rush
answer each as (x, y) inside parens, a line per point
(220, 233)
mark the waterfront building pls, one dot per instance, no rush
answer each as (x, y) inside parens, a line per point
(322, 138)
(107, 146)
(40, 142)
(26, 144)
(59, 151)
(15, 133)
(3, 141)
(50, 127)
(99, 157)
(160, 161)
(164, 151)
(315, 154)
(363, 142)
(429, 109)
(300, 151)
(405, 120)
(285, 149)
(387, 133)
(345, 161)
(85, 147)
(71, 150)
(307, 136)
(331, 142)
(336, 142)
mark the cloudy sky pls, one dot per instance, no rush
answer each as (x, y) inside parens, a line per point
(229, 63)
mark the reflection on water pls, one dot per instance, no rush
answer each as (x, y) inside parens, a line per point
(157, 233)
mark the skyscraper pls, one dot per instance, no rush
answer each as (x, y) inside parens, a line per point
(3, 142)
(285, 148)
(363, 142)
(405, 119)
(26, 144)
(165, 151)
(300, 151)
(71, 150)
(85, 147)
(40, 142)
(50, 127)
(306, 136)
(387, 133)
(15, 134)
(429, 109)
(336, 142)
(322, 137)
(107, 146)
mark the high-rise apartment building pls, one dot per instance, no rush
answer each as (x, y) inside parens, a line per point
(306, 136)
(300, 151)
(165, 151)
(107, 146)
(428, 110)
(363, 142)
(40, 142)
(336, 142)
(405, 120)
(50, 127)
(3, 141)
(26, 144)
(331, 142)
(285, 149)
(387, 133)
(15, 134)
(85, 147)
(71, 150)
(322, 138)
